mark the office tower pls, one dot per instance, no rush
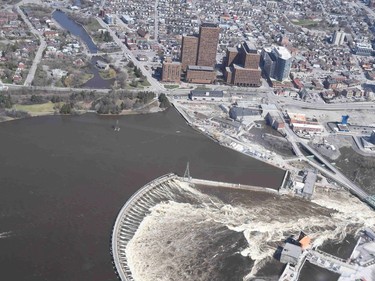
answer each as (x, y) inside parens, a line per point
(232, 54)
(242, 66)
(198, 54)
(283, 63)
(189, 51)
(207, 45)
(276, 62)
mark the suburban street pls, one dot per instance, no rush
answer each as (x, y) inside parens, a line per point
(39, 53)
(155, 85)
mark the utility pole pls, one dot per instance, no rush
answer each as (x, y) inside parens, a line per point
(187, 176)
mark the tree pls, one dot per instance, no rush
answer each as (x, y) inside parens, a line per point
(130, 64)
(36, 99)
(164, 102)
(66, 108)
(137, 72)
(145, 97)
(5, 101)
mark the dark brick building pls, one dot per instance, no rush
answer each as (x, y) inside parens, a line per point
(242, 66)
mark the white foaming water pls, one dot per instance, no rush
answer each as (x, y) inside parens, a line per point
(5, 234)
(192, 241)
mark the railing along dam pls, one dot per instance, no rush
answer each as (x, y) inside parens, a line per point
(131, 216)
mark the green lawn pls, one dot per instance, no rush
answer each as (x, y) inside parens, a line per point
(145, 83)
(93, 25)
(305, 22)
(35, 109)
(174, 86)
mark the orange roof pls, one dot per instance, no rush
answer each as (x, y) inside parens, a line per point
(305, 242)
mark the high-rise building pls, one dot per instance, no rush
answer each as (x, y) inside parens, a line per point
(242, 66)
(189, 51)
(276, 62)
(207, 45)
(338, 38)
(198, 54)
(171, 71)
(232, 54)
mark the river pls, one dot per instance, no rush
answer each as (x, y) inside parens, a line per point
(63, 180)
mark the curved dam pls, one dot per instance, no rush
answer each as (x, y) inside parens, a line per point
(139, 206)
(131, 216)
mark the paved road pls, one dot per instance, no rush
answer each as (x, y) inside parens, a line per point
(155, 85)
(335, 175)
(42, 46)
(156, 21)
(55, 89)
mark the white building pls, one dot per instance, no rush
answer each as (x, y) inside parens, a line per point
(338, 38)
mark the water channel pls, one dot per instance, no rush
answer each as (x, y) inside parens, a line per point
(77, 30)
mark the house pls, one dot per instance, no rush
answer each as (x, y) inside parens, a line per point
(143, 33)
(58, 73)
(50, 34)
(102, 65)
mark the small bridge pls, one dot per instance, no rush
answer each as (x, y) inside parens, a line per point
(331, 263)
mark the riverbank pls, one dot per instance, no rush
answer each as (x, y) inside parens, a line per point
(50, 109)
(253, 150)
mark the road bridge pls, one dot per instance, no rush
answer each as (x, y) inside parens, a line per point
(318, 156)
(331, 263)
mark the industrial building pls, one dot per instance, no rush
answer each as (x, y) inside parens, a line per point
(290, 253)
(274, 120)
(369, 142)
(200, 95)
(338, 38)
(363, 49)
(300, 124)
(239, 112)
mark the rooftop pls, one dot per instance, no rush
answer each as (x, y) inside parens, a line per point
(200, 68)
(283, 52)
(249, 47)
(209, 24)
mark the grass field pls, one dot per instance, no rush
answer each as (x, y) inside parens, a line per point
(36, 109)
(173, 86)
(305, 23)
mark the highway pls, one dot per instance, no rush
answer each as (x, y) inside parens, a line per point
(39, 53)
